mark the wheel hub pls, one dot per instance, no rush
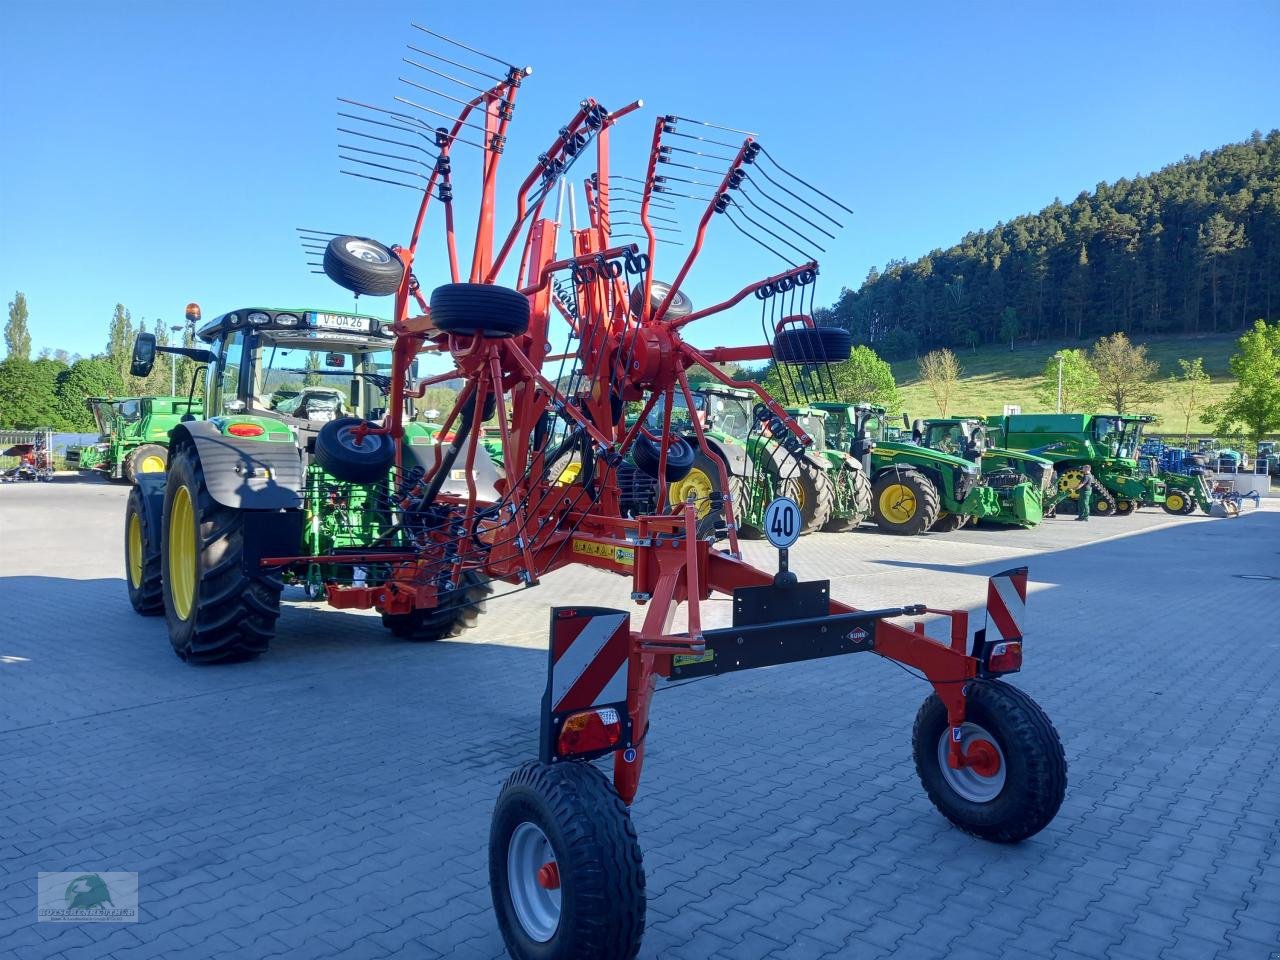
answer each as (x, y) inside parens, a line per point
(982, 777)
(897, 503)
(366, 252)
(533, 879)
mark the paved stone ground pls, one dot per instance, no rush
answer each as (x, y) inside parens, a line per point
(333, 799)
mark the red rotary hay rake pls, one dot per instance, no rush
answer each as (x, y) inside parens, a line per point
(579, 485)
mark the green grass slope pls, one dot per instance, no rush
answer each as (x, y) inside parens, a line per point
(994, 376)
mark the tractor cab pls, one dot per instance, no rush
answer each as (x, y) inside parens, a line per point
(964, 437)
(1119, 436)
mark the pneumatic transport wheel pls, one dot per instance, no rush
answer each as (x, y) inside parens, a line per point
(363, 266)
(565, 869)
(1017, 775)
(813, 345)
(142, 559)
(680, 456)
(1175, 502)
(482, 309)
(458, 610)
(353, 459)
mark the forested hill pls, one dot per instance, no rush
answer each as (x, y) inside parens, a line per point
(1193, 248)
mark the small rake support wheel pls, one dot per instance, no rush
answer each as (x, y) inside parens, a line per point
(1018, 774)
(565, 869)
(458, 611)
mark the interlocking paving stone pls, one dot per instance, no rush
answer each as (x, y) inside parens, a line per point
(333, 798)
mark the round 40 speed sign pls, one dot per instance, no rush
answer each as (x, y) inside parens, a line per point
(782, 522)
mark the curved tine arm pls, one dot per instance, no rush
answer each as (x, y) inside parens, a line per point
(545, 276)
(522, 197)
(743, 293)
(774, 407)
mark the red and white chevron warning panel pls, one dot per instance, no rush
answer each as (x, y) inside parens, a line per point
(1007, 605)
(588, 658)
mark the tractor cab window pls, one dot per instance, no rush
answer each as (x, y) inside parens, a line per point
(733, 416)
(304, 377)
(129, 410)
(870, 427)
(816, 430)
(229, 362)
(947, 438)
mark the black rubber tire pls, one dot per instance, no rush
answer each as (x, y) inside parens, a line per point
(709, 466)
(458, 611)
(680, 456)
(147, 596)
(813, 345)
(806, 481)
(680, 306)
(1036, 767)
(375, 274)
(138, 454)
(851, 480)
(1102, 507)
(922, 488)
(740, 488)
(337, 453)
(1190, 508)
(1181, 508)
(949, 522)
(602, 885)
(233, 615)
(483, 309)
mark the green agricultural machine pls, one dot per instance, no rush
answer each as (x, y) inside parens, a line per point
(258, 477)
(913, 489)
(1109, 444)
(848, 480)
(134, 435)
(1025, 483)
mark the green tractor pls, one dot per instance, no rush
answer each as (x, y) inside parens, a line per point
(1108, 443)
(276, 469)
(1025, 483)
(850, 485)
(913, 489)
(134, 435)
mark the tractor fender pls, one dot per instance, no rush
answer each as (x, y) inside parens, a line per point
(248, 473)
(734, 456)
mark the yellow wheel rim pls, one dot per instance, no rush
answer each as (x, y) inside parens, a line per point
(699, 484)
(151, 464)
(1102, 506)
(1174, 501)
(135, 550)
(1068, 482)
(897, 503)
(182, 553)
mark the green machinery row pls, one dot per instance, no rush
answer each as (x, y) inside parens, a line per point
(133, 435)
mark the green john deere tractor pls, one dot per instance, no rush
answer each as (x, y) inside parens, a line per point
(1107, 443)
(134, 435)
(850, 485)
(275, 469)
(1025, 483)
(913, 489)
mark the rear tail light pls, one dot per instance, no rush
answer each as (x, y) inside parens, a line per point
(1005, 657)
(589, 731)
(245, 430)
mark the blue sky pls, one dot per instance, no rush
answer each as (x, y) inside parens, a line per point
(156, 153)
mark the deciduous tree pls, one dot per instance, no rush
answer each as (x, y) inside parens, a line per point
(1126, 376)
(940, 371)
(17, 338)
(1188, 390)
(1079, 382)
(1254, 402)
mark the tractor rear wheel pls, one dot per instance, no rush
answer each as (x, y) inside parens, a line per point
(216, 613)
(148, 458)
(806, 481)
(854, 497)
(904, 501)
(1017, 775)
(702, 480)
(1175, 502)
(142, 559)
(565, 869)
(458, 610)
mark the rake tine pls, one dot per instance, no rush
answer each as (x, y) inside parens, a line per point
(379, 153)
(371, 136)
(461, 83)
(452, 139)
(394, 183)
(433, 90)
(805, 182)
(479, 53)
(716, 126)
(382, 166)
(318, 233)
(690, 136)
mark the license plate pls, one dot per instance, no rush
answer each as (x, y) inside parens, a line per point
(333, 321)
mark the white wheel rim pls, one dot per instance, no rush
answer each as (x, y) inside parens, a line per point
(966, 781)
(537, 907)
(366, 251)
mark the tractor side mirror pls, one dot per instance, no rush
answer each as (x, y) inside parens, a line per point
(144, 355)
(917, 429)
(906, 421)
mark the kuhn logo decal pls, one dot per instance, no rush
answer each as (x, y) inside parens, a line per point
(857, 634)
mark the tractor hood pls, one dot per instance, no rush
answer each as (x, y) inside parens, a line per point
(892, 449)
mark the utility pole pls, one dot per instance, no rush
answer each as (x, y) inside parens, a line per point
(1059, 381)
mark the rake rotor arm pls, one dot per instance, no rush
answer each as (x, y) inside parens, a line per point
(744, 293)
(774, 407)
